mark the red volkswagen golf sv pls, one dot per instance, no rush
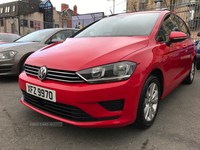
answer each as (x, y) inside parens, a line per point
(112, 73)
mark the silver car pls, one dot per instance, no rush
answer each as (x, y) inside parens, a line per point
(13, 55)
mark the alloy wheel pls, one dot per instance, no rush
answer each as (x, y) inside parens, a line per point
(151, 102)
(192, 71)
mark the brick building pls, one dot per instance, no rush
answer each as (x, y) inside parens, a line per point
(25, 16)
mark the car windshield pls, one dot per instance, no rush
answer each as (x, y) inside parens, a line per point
(8, 38)
(36, 36)
(122, 25)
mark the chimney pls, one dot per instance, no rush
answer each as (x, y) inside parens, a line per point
(64, 6)
(75, 10)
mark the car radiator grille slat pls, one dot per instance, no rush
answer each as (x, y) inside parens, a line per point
(57, 75)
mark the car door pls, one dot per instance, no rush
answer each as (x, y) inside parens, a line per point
(171, 55)
(188, 44)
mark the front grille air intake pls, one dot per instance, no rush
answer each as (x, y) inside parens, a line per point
(53, 74)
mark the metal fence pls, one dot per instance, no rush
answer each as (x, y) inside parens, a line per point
(189, 12)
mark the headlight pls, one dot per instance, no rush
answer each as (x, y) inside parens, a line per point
(7, 54)
(108, 73)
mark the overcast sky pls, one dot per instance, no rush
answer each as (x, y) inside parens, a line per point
(88, 6)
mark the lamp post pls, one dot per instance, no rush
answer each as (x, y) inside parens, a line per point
(113, 5)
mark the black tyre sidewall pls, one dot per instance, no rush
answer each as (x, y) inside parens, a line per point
(188, 80)
(22, 65)
(140, 120)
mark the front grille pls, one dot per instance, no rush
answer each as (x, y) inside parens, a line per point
(57, 109)
(57, 75)
(4, 69)
(61, 110)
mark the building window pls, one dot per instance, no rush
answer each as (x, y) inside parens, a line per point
(56, 25)
(183, 1)
(24, 22)
(31, 24)
(14, 8)
(64, 24)
(1, 10)
(142, 4)
(1, 22)
(8, 9)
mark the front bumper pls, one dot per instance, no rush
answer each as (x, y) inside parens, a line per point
(8, 67)
(86, 97)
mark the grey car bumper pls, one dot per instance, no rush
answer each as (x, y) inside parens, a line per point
(9, 67)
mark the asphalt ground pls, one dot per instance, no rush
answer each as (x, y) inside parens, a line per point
(177, 126)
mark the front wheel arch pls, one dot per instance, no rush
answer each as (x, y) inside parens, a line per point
(141, 121)
(22, 60)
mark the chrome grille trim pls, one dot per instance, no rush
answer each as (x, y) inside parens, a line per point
(28, 70)
(49, 74)
(57, 75)
(61, 72)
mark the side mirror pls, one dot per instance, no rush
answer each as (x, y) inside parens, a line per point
(176, 36)
(198, 34)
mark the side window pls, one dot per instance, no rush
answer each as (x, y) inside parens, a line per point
(160, 37)
(182, 26)
(169, 25)
(67, 33)
(60, 36)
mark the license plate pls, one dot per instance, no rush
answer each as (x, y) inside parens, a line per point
(40, 92)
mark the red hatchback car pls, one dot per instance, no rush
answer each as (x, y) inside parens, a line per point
(112, 73)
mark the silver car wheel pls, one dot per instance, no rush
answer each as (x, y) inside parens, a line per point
(192, 71)
(151, 102)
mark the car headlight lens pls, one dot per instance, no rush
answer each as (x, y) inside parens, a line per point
(108, 73)
(7, 54)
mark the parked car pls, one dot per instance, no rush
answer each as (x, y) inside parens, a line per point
(13, 55)
(197, 45)
(8, 37)
(112, 73)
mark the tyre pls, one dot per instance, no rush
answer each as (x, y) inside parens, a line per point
(198, 65)
(148, 103)
(190, 77)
